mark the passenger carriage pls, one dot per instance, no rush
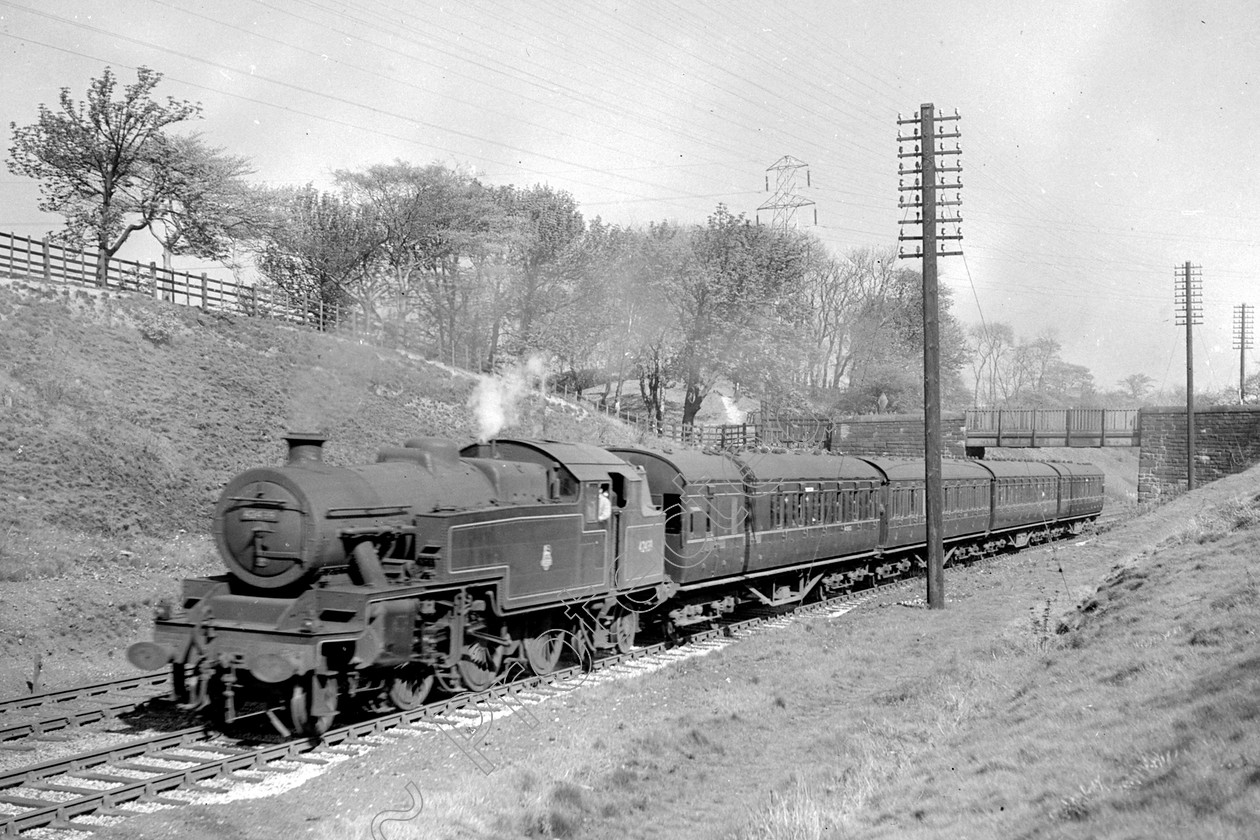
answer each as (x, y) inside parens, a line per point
(1025, 499)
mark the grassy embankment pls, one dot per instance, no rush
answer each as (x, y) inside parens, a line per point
(122, 418)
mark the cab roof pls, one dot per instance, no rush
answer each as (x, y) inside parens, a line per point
(584, 461)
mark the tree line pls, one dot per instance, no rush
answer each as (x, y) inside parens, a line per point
(481, 275)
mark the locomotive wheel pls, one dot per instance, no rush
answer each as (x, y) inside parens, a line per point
(542, 651)
(477, 668)
(215, 701)
(179, 684)
(624, 628)
(303, 700)
(410, 691)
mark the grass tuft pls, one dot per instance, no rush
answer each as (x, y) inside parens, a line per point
(796, 814)
(1043, 637)
(558, 814)
(1219, 521)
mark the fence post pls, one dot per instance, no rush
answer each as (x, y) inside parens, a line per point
(47, 261)
(153, 278)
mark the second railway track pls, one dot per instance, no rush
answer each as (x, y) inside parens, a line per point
(39, 714)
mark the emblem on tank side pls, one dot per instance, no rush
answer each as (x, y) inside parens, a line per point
(546, 558)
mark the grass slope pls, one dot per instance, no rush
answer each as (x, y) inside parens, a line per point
(121, 418)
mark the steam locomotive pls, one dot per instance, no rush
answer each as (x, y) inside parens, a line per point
(444, 568)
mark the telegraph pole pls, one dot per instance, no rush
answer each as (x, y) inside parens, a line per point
(1244, 335)
(1189, 290)
(928, 140)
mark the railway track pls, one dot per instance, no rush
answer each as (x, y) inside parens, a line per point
(170, 768)
(166, 768)
(39, 714)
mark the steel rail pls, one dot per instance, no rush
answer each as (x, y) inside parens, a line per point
(25, 716)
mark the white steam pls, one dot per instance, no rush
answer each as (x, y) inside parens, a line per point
(496, 401)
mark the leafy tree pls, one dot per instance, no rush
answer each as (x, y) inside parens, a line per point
(324, 250)
(207, 204)
(735, 292)
(1137, 386)
(649, 335)
(430, 220)
(104, 164)
(541, 250)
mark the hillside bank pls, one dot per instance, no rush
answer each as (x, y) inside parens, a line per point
(121, 418)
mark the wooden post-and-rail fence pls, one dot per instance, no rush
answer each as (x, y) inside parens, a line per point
(39, 258)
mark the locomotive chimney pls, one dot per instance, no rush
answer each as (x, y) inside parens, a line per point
(305, 447)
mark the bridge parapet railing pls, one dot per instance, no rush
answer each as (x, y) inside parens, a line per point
(1029, 427)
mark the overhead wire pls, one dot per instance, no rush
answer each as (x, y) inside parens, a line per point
(999, 241)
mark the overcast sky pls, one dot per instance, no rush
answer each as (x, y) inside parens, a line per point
(1104, 143)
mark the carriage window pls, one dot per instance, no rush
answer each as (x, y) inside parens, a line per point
(591, 503)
